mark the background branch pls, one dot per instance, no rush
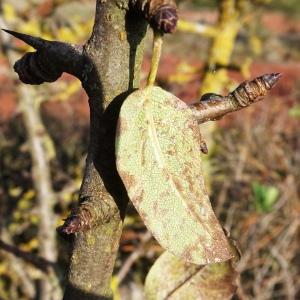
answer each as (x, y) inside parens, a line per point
(133, 257)
(37, 135)
(18, 265)
(38, 262)
(193, 27)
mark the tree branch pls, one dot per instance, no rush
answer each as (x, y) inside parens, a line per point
(212, 106)
(41, 174)
(51, 59)
(38, 262)
(112, 67)
(109, 68)
(133, 257)
(193, 27)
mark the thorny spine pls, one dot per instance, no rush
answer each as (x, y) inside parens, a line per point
(47, 64)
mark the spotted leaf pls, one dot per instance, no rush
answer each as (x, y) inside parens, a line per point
(158, 158)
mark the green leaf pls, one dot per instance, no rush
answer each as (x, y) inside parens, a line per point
(158, 159)
(265, 197)
(173, 279)
(294, 111)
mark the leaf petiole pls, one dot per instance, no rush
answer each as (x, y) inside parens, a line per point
(156, 52)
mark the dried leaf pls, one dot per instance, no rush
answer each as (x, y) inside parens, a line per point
(173, 279)
(158, 159)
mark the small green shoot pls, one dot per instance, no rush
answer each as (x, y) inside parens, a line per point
(264, 197)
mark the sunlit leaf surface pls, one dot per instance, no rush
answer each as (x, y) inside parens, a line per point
(173, 279)
(158, 159)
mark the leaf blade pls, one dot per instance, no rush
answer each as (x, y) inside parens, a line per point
(173, 279)
(158, 159)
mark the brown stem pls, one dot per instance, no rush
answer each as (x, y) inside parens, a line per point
(39, 262)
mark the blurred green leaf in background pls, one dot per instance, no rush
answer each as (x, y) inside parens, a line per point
(294, 111)
(264, 197)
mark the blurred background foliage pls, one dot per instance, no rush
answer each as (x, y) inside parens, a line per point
(254, 155)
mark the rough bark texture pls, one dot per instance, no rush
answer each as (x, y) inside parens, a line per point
(113, 59)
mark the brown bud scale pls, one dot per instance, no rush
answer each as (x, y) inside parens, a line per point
(76, 222)
(87, 215)
(161, 14)
(250, 91)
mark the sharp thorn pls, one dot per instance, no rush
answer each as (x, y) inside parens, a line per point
(35, 42)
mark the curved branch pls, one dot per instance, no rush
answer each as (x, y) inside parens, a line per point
(213, 107)
(51, 59)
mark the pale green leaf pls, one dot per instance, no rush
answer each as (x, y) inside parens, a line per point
(294, 111)
(265, 197)
(173, 279)
(158, 159)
